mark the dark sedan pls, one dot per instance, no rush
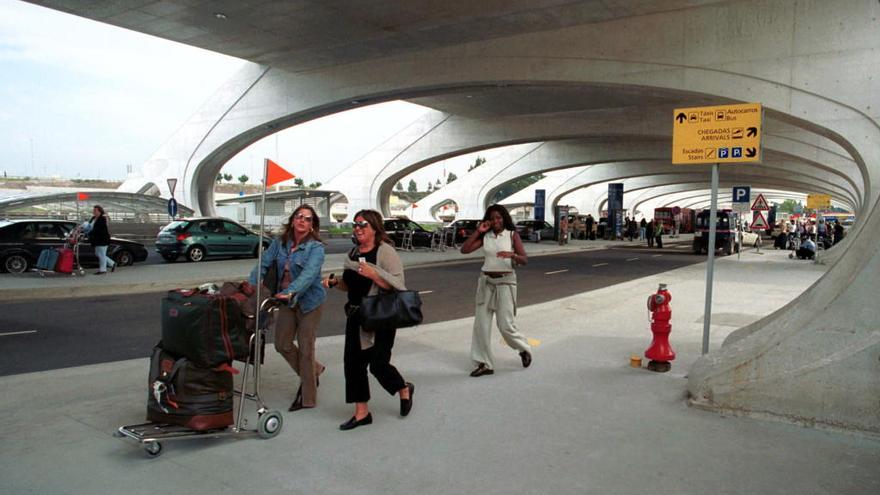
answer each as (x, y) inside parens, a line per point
(464, 228)
(535, 230)
(22, 241)
(396, 227)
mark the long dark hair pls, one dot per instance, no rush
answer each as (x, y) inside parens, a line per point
(374, 218)
(99, 208)
(287, 229)
(505, 216)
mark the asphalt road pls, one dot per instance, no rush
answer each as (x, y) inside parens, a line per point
(45, 335)
(332, 245)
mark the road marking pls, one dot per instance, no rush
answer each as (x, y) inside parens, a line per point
(425, 292)
(557, 271)
(600, 264)
(632, 259)
(7, 334)
(532, 342)
(656, 255)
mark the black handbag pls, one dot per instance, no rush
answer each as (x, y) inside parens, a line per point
(391, 309)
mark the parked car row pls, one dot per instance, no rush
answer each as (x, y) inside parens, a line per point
(22, 241)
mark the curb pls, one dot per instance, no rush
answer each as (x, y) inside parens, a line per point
(49, 293)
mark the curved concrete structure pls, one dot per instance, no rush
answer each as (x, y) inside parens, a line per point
(808, 62)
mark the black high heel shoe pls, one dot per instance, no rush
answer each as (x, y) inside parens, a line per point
(297, 401)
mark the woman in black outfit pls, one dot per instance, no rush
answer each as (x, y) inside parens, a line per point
(373, 264)
(99, 237)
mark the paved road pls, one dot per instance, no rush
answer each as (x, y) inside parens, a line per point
(79, 331)
(333, 245)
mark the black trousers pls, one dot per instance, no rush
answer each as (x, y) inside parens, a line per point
(377, 357)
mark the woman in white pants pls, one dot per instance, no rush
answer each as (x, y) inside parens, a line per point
(99, 236)
(496, 288)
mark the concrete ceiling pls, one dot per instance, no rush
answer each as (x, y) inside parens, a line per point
(301, 35)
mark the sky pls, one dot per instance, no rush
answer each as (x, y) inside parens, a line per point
(82, 99)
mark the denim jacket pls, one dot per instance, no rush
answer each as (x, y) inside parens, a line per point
(305, 272)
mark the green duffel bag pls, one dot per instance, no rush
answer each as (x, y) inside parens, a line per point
(207, 329)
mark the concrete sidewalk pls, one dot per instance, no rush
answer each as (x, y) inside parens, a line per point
(580, 420)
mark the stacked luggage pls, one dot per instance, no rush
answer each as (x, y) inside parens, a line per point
(191, 372)
(55, 260)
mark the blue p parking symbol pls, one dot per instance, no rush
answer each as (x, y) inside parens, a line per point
(723, 153)
(741, 194)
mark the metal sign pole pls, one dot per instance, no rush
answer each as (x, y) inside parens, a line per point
(258, 344)
(710, 267)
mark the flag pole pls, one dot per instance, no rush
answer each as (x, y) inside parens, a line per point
(258, 336)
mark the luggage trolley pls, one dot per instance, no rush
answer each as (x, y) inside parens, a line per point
(151, 435)
(71, 242)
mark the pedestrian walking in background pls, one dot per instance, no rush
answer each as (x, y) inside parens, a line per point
(650, 233)
(642, 226)
(291, 268)
(371, 265)
(658, 233)
(99, 237)
(496, 288)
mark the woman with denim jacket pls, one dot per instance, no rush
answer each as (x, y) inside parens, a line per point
(297, 256)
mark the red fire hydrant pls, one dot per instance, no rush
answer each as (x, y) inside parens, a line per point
(660, 353)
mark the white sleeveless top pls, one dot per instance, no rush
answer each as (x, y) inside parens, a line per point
(492, 244)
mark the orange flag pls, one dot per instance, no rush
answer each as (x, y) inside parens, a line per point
(82, 196)
(276, 174)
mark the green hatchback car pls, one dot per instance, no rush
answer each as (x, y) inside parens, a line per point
(199, 238)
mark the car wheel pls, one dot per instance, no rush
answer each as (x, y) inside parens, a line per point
(195, 254)
(123, 258)
(170, 257)
(16, 263)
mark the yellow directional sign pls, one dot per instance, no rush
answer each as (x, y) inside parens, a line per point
(819, 201)
(719, 134)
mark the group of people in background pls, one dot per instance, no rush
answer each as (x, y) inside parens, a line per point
(291, 270)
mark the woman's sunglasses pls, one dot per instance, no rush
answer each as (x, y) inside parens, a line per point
(362, 224)
(300, 216)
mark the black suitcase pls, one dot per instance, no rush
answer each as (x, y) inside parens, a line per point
(209, 330)
(181, 393)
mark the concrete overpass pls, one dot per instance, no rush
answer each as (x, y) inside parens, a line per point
(532, 71)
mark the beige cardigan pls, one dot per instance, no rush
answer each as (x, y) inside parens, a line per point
(390, 269)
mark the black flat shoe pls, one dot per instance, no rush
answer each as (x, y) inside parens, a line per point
(354, 423)
(297, 401)
(406, 404)
(482, 370)
(526, 357)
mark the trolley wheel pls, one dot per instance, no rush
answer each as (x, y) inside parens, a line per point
(153, 449)
(270, 424)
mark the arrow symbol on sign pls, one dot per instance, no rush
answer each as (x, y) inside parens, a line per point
(681, 117)
(752, 132)
(751, 152)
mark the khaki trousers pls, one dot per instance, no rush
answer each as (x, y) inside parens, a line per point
(495, 296)
(293, 323)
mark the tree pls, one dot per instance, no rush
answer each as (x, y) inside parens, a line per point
(227, 177)
(451, 177)
(219, 178)
(399, 186)
(315, 185)
(438, 184)
(789, 205)
(430, 187)
(479, 161)
(412, 186)
(514, 186)
(243, 179)
(299, 182)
